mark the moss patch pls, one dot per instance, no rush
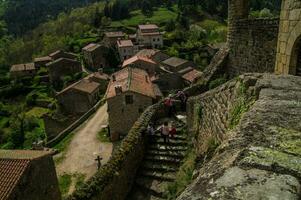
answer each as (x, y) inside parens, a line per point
(102, 135)
(273, 160)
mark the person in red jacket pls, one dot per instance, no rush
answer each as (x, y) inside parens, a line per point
(172, 131)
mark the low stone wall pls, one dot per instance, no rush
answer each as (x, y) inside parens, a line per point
(212, 114)
(259, 156)
(253, 45)
(73, 125)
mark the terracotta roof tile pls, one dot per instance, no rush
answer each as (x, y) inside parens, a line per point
(41, 59)
(13, 164)
(148, 26)
(131, 79)
(136, 58)
(83, 85)
(147, 52)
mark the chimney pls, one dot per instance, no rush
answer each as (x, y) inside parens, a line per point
(118, 89)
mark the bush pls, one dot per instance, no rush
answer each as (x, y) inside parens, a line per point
(217, 82)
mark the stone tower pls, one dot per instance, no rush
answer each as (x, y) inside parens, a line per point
(252, 42)
(289, 41)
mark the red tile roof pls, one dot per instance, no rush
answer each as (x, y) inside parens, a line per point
(13, 164)
(91, 47)
(131, 79)
(147, 52)
(83, 85)
(135, 59)
(42, 59)
(114, 34)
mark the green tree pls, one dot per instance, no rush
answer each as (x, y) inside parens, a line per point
(146, 8)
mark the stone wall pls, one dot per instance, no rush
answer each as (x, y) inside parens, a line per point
(260, 157)
(211, 114)
(252, 44)
(289, 37)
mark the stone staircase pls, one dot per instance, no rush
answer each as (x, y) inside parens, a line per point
(160, 164)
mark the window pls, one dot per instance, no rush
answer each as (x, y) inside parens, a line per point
(129, 99)
(158, 39)
(154, 39)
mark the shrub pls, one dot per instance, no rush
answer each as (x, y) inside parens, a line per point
(217, 82)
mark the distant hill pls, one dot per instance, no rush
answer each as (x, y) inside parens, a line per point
(24, 15)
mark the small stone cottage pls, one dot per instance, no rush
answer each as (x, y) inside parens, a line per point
(126, 49)
(129, 93)
(42, 61)
(154, 54)
(28, 175)
(110, 38)
(141, 62)
(62, 54)
(149, 36)
(79, 97)
(62, 67)
(95, 56)
(101, 78)
(23, 70)
(175, 64)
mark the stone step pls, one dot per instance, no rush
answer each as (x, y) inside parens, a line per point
(180, 137)
(163, 159)
(151, 186)
(159, 167)
(167, 147)
(170, 142)
(160, 176)
(174, 154)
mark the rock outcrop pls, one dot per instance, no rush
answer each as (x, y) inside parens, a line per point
(259, 158)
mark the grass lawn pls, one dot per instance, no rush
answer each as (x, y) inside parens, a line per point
(102, 135)
(159, 17)
(37, 112)
(66, 180)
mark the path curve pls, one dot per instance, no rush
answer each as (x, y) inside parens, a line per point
(84, 147)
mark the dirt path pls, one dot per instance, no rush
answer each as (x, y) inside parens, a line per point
(84, 147)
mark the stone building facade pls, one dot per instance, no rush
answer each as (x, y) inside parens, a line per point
(110, 38)
(23, 70)
(79, 97)
(149, 36)
(62, 67)
(28, 175)
(126, 49)
(129, 93)
(95, 56)
(289, 40)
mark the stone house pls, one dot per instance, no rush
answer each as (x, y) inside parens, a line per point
(126, 49)
(110, 38)
(42, 61)
(191, 76)
(168, 82)
(142, 63)
(62, 54)
(154, 54)
(175, 64)
(28, 175)
(95, 56)
(62, 67)
(101, 78)
(129, 93)
(150, 36)
(79, 97)
(23, 70)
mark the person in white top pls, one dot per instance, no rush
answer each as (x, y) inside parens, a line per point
(164, 130)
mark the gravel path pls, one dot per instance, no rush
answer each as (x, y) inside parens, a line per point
(84, 147)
